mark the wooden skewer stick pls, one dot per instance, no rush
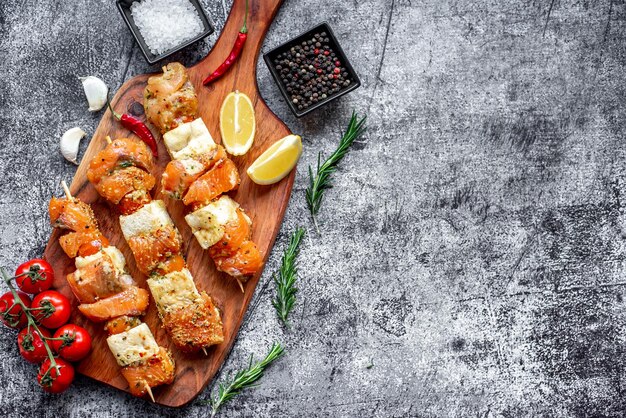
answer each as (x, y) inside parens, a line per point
(149, 391)
(204, 351)
(240, 285)
(66, 189)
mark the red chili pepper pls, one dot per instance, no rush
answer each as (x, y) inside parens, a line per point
(138, 128)
(234, 53)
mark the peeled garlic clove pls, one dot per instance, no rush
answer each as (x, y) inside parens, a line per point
(96, 92)
(70, 142)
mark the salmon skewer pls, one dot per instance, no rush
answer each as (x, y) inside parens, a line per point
(189, 316)
(226, 230)
(157, 246)
(149, 367)
(199, 174)
(100, 278)
(107, 292)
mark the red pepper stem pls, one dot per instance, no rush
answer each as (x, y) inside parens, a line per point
(244, 28)
(115, 114)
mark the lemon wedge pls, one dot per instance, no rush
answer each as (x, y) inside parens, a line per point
(277, 161)
(237, 123)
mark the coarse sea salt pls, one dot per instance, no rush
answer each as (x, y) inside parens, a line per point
(165, 24)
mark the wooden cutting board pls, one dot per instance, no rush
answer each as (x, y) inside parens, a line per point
(265, 205)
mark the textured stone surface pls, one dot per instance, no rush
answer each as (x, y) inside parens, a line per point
(472, 249)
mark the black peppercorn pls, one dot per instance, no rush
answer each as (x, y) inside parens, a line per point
(311, 71)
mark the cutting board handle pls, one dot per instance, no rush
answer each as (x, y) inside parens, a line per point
(260, 17)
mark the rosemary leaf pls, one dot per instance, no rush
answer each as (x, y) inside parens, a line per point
(285, 278)
(244, 379)
(321, 181)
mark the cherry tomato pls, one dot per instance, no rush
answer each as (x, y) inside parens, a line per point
(31, 345)
(76, 342)
(37, 276)
(52, 309)
(13, 317)
(55, 380)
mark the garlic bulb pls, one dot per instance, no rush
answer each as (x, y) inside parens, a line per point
(96, 92)
(70, 142)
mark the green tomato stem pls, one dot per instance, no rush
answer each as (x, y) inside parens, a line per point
(30, 320)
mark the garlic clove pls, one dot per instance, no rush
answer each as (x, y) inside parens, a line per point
(96, 91)
(70, 142)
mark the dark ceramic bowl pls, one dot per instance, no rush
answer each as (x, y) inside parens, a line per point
(124, 8)
(272, 55)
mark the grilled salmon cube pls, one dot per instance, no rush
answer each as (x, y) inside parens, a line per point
(195, 327)
(222, 178)
(156, 370)
(132, 301)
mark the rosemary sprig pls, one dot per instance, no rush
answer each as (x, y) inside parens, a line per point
(285, 278)
(322, 181)
(244, 379)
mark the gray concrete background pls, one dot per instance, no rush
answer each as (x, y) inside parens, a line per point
(473, 247)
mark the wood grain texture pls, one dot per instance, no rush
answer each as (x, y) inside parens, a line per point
(264, 204)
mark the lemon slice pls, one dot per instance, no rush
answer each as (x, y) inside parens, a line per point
(237, 123)
(277, 161)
